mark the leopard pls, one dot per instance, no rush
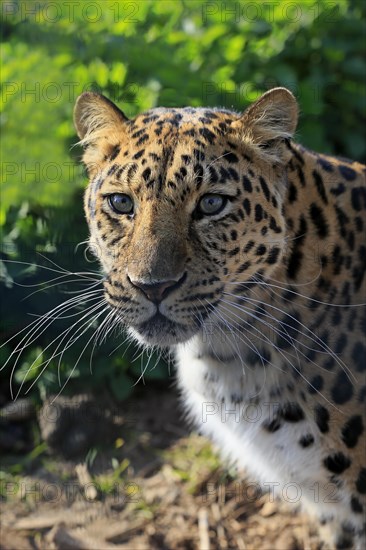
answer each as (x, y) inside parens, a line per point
(243, 253)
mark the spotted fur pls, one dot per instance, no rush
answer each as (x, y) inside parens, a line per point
(262, 301)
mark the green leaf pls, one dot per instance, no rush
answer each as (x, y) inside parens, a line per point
(30, 367)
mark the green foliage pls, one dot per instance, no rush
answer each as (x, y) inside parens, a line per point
(192, 461)
(142, 54)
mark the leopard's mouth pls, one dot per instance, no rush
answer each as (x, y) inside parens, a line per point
(160, 331)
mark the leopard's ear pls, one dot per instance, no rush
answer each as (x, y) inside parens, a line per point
(100, 127)
(94, 113)
(270, 121)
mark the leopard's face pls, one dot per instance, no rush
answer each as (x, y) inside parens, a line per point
(179, 207)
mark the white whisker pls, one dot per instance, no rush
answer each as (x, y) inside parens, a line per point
(80, 356)
(63, 335)
(279, 351)
(33, 329)
(312, 336)
(287, 289)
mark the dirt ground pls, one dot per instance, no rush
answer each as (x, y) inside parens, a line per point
(147, 482)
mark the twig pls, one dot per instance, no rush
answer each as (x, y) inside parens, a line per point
(204, 537)
(85, 480)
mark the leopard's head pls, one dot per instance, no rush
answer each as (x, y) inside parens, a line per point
(181, 203)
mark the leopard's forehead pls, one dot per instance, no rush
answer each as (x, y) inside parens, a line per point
(164, 148)
(177, 117)
(202, 126)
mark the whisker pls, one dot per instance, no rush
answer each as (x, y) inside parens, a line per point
(80, 356)
(23, 285)
(59, 267)
(314, 337)
(75, 337)
(63, 335)
(63, 272)
(265, 313)
(33, 329)
(34, 265)
(282, 354)
(287, 289)
(222, 331)
(109, 327)
(208, 340)
(254, 348)
(279, 332)
(45, 288)
(120, 345)
(262, 338)
(242, 337)
(269, 325)
(143, 370)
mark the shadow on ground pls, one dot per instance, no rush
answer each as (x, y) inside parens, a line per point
(132, 476)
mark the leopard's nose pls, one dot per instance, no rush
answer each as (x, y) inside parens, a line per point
(158, 291)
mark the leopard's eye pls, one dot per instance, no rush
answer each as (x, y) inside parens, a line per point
(121, 203)
(211, 204)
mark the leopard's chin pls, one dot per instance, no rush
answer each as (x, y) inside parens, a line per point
(162, 332)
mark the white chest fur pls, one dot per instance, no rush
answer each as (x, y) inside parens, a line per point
(231, 404)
